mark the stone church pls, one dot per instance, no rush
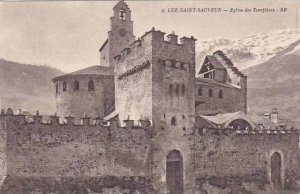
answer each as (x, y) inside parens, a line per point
(143, 121)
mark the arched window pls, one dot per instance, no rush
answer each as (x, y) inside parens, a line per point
(173, 121)
(122, 14)
(200, 92)
(220, 94)
(91, 85)
(64, 86)
(171, 88)
(56, 88)
(183, 89)
(76, 85)
(177, 89)
(210, 93)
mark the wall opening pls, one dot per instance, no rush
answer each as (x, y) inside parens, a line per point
(220, 94)
(173, 121)
(91, 86)
(122, 15)
(177, 89)
(64, 86)
(76, 85)
(276, 170)
(200, 92)
(174, 177)
(171, 88)
(240, 124)
(210, 93)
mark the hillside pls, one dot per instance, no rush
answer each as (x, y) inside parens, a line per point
(28, 87)
(271, 62)
(250, 50)
(275, 83)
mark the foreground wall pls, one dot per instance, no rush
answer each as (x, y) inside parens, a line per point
(54, 157)
(40, 154)
(240, 161)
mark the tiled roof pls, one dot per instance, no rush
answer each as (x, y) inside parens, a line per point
(92, 70)
(96, 70)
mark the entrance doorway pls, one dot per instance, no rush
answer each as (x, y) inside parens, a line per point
(276, 170)
(174, 176)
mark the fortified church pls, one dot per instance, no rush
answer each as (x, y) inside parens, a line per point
(143, 122)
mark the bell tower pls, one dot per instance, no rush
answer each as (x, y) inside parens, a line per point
(120, 35)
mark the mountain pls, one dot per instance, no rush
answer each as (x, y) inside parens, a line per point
(275, 83)
(251, 50)
(27, 87)
(272, 63)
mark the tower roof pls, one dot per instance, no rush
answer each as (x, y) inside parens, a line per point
(92, 70)
(121, 4)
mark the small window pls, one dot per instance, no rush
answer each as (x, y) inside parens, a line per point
(164, 116)
(220, 94)
(183, 89)
(177, 89)
(183, 116)
(200, 92)
(173, 121)
(64, 86)
(91, 85)
(56, 88)
(210, 93)
(122, 14)
(76, 85)
(171, 88)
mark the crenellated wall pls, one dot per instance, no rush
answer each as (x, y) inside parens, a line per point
(97, 155)
(36, 149)
(232, 160)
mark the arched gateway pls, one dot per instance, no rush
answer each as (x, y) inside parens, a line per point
(276, 170)
(174, 172)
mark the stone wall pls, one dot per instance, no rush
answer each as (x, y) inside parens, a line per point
(232, 99)
(133, 79)
(227, 160)
(35, 149)
(82, 101)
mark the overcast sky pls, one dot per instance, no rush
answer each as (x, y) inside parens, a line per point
(68, 35)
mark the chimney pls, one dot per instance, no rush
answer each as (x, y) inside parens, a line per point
(274, 116)
(267, 116)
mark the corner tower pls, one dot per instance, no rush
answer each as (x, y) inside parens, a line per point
(120, 35)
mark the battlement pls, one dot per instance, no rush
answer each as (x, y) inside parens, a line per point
(156, 36)
(20, 118)
(253, 132)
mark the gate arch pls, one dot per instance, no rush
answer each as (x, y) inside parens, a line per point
(276, 170)
(174, 177)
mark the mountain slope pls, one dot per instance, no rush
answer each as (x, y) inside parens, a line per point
(272, 63)
(28, 87)
(275, 83)
(251, 50)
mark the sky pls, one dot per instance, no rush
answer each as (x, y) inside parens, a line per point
(67, 35)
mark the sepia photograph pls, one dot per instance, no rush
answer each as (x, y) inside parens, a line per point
(150, 97)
